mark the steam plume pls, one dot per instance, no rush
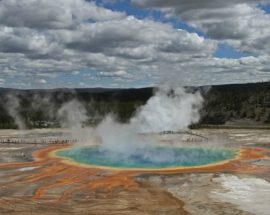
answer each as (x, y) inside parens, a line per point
(72, 114)
(12, 106)
(168, 109)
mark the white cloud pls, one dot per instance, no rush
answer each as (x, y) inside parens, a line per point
(239, 22)
(42, 81)
(121, 73)
(2, 81)
(43, 40)
(52, 14)
(75, 72)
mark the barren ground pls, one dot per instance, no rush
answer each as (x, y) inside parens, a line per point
(48, 186)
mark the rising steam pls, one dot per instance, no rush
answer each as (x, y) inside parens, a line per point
(13, 106)
(169, 109)
(72, 115)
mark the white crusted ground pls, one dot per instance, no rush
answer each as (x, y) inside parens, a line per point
(249, 194)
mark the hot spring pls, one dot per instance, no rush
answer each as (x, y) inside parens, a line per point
(158, 157)
(133, 146)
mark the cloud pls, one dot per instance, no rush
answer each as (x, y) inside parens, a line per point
(51, 14)
(27, 41)
(55, 40)
(221, 71)
(135, 39)
(115, 46)
(42, 81)
(239, 22)
(2, 81)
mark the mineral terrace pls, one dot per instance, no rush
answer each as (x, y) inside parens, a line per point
(33, 182)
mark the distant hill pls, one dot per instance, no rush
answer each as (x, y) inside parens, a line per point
(237, 103)
(223, 104)
(38, 107)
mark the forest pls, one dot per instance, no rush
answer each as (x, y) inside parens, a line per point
(222, 104)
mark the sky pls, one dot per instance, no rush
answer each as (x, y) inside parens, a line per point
(133, 43)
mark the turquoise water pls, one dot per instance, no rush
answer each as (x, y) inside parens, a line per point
(148, 158)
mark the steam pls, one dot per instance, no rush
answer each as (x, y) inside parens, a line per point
(169, 109)
(118, 138)
(72, 115)
(13, 106)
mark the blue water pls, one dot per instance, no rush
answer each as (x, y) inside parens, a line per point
(148, 158)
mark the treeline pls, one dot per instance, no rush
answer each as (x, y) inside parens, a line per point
(39, 108)
(234, 102)
(222, 103)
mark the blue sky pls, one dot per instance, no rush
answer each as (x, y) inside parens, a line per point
(133, 43)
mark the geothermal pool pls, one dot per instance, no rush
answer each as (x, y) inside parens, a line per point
(148, 158)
